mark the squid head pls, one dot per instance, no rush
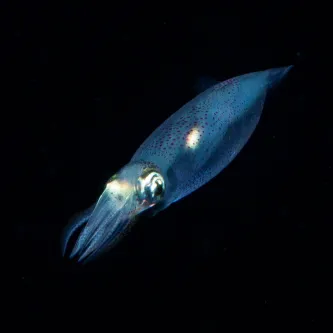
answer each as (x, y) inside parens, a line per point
(135, 188)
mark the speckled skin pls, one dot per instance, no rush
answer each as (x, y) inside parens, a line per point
(224, 115)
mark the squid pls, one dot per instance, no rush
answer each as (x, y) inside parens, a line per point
(185, 152)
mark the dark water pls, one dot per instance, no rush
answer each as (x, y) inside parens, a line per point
(86, 85)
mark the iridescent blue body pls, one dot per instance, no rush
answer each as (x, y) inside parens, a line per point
(190, 148)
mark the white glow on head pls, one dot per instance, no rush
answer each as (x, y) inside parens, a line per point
(192, 139)
(122, 188)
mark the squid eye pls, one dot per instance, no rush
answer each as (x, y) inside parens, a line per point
(158, 188)
(150, 187)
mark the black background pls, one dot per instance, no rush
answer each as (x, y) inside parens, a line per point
(86, 84)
